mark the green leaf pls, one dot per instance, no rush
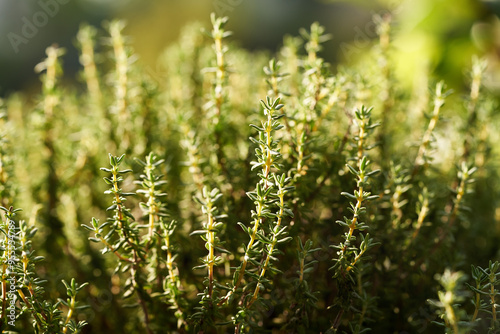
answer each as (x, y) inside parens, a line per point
(128, 214)
(352, 170)
(348, 195)
(222, 250)
(198, 232)
(285, 240)
(257, 128)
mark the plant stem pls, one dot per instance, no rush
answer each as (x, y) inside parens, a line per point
(121, 257)
(260, 205)
(210, 259)
(439, 100)
(359, 199)
(271, 248)
(421, 217)
(493, 293)
(451, 215)
(134, 267)
(33, 311)
(452, 318)
(478, 67)
(115, 31)
(87, 59)
(257, 222)
(220, 83)
(477, 304)
(70, 314)
(170, 261)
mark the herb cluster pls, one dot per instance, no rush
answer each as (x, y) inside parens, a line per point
(339, 203)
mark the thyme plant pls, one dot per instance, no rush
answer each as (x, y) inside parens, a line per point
(322, 221)
(22, 289)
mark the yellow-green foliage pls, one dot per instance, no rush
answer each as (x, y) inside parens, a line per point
(251, 192)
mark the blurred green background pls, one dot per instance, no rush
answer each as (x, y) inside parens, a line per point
(438, 34)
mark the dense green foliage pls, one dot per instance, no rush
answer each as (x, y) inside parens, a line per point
(220, 197)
